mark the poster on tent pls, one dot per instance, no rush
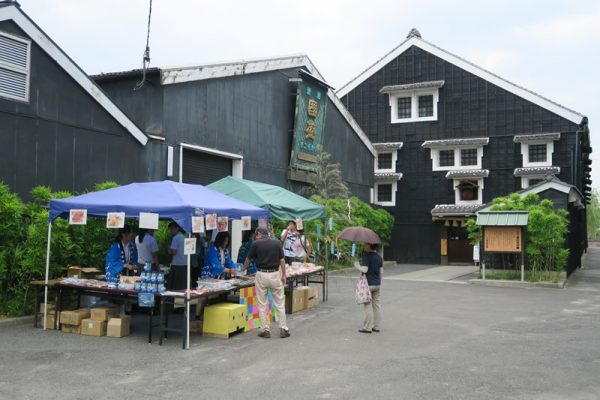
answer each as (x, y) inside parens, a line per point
(223, 224)
(211, 222)
(197, 224)
(115, 220)
(299, 224)
(189, 246)
(246, 223)
(262, 223)
(77, 217)
(148, 220)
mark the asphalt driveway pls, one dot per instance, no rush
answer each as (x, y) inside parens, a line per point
(438, 341)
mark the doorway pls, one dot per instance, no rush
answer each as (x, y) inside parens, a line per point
(460, 250)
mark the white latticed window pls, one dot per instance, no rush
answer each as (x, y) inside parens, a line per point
(14, 67)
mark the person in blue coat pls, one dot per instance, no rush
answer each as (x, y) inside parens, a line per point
(217, 261)
(121, 257)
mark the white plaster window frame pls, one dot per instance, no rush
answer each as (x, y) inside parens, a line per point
(17, 69)
(414, 95)
(435, 158)
(549, 151)
(394, 154)
(457, 200)
(394, 189)
(525, 180)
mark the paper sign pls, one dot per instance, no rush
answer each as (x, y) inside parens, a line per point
(115, 219)
(318, 230)
(78, 217)
(318, 246)
(148, 220)
(223, 224)
(211, 222)
(246, 223)
(353, 249)
(262, 223)
(332, 252)
(197, 224)
(330, 223)
(189, 246)
(299, 224)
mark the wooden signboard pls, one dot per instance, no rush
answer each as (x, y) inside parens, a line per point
(444, 247)
(502, 239)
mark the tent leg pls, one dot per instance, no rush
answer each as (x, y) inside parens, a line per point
(47, 274)
(187, 303)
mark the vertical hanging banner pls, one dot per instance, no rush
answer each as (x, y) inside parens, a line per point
(309, 125)
(353, 249)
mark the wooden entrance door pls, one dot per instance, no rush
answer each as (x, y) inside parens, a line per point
(459, 248)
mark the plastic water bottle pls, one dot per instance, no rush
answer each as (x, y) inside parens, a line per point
(148, 267)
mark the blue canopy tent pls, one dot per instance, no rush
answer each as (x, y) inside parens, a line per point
(171, 200)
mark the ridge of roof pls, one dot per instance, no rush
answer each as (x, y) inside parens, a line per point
(13, 12)
(468, 66)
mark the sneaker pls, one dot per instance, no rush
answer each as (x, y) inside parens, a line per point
(364, 331)
(265, 334)
(283, 333)
(376, 330)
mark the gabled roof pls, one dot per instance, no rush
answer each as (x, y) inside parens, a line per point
(180, 74)
(417, 41)
(12, 11)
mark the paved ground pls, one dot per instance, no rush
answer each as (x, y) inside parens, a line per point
(438, 341)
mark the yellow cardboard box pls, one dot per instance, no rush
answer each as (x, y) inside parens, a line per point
(74, 317)
(118, 327)
(50, 320)
(51, 308)
(104, 313)
(224, 318)
(298, 300)
(89, 327)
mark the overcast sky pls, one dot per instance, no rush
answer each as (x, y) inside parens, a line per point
(550, 47)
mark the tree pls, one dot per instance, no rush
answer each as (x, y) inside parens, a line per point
(593, 216)
(328, 182)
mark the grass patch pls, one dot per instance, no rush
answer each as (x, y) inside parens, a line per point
(514, 275)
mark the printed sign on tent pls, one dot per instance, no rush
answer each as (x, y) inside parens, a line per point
(115, 219)
(197, 224)
(77, 217)
(262, 223)
(211, 222)
(189, 246)
(223, 224)
(299, 224)
(246, 223)
(148, 220)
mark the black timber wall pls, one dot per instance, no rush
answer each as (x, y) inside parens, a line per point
(468, 107)
(62, 137)
(251, 115)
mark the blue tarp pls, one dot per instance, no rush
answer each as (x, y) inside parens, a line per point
(171, 200)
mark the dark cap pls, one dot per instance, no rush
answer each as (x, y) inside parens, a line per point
(262, 231)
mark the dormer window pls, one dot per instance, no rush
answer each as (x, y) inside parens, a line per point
(413, 102)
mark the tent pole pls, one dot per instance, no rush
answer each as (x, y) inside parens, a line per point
(187, 311)
(47, 273)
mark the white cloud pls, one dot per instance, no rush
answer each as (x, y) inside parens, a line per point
(571, 28)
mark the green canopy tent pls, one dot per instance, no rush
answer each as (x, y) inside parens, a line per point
(282, 203)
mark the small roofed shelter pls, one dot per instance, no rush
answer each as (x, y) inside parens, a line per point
(280, 202)
(503, 232)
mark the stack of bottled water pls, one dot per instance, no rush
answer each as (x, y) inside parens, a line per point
(151, 281)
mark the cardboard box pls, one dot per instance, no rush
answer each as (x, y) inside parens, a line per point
(82, 273)
(74, 317)
(118, 327)
(297, 300)
(66, 328)
(50, 321)
(222, 319)
(104, 313)
(51, 308)
(89, 327)
(195, 326)
(311, 297)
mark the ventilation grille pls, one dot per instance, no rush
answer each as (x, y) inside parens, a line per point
(14, 68)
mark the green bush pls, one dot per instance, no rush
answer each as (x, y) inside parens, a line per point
(546, 231)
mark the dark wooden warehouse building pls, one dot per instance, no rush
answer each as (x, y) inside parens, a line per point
(452, 136)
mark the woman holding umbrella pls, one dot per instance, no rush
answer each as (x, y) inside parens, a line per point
(371, 266)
